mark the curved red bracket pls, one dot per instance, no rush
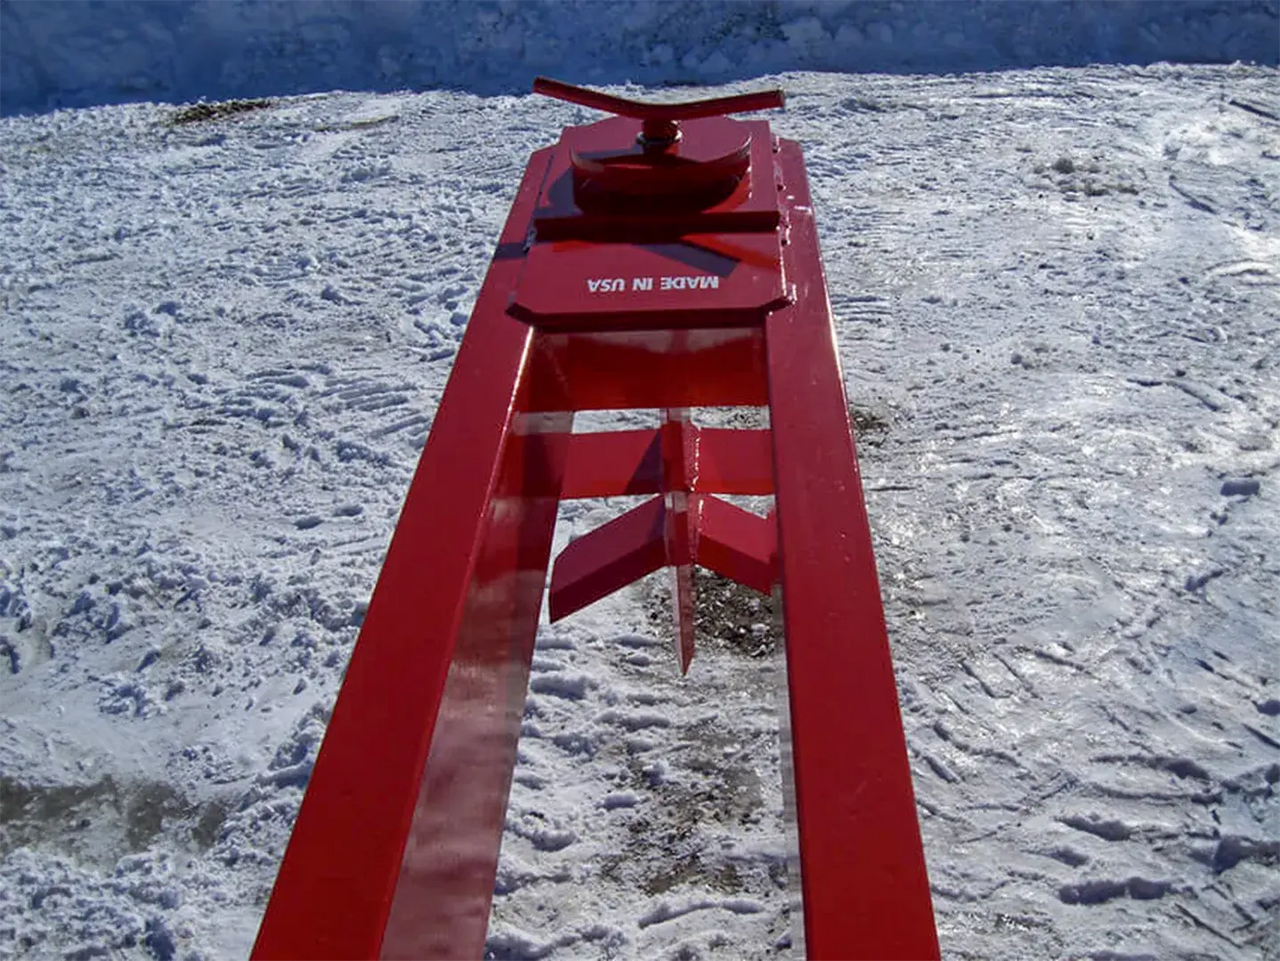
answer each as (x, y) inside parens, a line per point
(660, 126)
(715, 107)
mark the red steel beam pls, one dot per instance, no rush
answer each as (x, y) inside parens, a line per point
(865, 887)
(445, 887)
(643, 370)
(629, 462)
(334, 892)
(613, 463)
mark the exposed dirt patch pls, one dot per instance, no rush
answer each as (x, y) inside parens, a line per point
(202, 112)
(356, 124)
(722, 877)
(209, 825)
(146, 809)
(104, 820)
(667, 846)
(23, 807)
(726, 614)
(709, 783)
(733, 616)
(869, 428)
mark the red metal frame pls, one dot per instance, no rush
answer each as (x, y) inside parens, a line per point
(592, 302)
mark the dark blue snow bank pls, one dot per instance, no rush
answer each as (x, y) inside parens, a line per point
(55, 53)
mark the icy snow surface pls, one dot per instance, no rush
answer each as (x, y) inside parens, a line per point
(67, 53)
(1057, 298)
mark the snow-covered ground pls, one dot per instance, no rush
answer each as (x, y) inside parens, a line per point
(1057, 296)
(69, 53)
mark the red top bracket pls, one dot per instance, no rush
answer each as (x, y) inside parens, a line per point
(620, 179)
(660, 127)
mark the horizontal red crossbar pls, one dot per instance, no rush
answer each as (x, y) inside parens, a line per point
(629, 462)
(651, 369)
(613, 463)
(616, 463)
(734, 461)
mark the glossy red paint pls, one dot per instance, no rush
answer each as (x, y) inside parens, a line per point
(395, 847)
(738, 545)
(866, 890)
(734, 461)
(610, 181)
(654, 286)
(650, 369)
(622, 107)
(334, 892)
(610, 557)
(630, 462)
(679, 444)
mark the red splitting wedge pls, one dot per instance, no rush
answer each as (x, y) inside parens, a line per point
(665, 258)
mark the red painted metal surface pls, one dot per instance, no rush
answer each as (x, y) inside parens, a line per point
(629, 462)
(333, 895)
(636, 370)
(714, 107)
(866, 891)
(738, 545)
(651, 286)
(666, 261)
(608, 180)
(608, 558)
(564, 214)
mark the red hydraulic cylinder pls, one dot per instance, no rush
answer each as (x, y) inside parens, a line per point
(665, 259)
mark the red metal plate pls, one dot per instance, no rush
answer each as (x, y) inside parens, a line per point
(653, 369)
(611, 556)
(866, 890)
(712, 281)
(629, 462)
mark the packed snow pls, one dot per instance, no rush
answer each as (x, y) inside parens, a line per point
(1057, 299)
(68, 53)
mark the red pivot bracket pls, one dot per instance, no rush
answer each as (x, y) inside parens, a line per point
(662, 166)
